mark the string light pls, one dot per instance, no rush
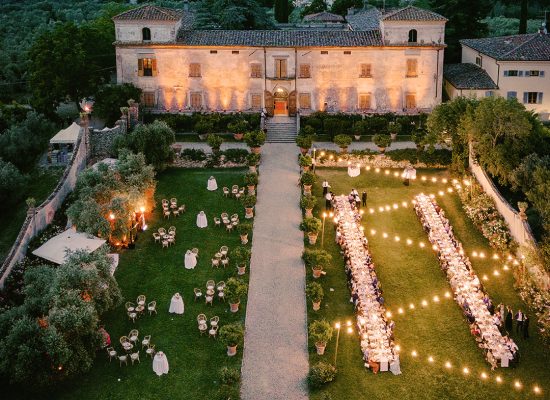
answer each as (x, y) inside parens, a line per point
(465, 370)
(400, 310)
(411, 306)
(536, 389)
(414, 353)
(483, 375)
(448, 365)
(430, 359)
(498, 379)
(518, 385)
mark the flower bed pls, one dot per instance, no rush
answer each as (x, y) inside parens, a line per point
(196, 158)
(334, 159)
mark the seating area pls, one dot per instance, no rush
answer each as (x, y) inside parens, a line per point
(130, 348)
(230, 222)
(221, 258)
(171, 208)
(164, 237)
(138, 309)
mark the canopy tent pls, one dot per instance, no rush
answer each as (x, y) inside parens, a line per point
(55, 249)
(67, 135)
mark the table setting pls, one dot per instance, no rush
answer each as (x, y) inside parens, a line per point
(176, 304)
(160, 364)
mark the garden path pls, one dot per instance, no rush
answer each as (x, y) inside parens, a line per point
(275, 361)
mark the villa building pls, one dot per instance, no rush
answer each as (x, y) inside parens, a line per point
(508, 66)
(378, 62)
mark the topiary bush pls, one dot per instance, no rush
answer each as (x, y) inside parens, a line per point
(342, 141)
(321, 374)
(229, 376)
(238, 156)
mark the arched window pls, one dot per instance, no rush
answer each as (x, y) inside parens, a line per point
(146, 33)
(412, 36)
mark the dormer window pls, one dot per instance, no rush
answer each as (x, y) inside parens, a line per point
(146, 34)
(413, 36)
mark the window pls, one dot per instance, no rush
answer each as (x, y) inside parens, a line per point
(235, 52)
(196, 100)
(512, 72)
(305, 101)
(512, 95)
(532, 73)
(532, 97)
(410, 101)
(213, 51)
(305, 71)
(280, 68)
(347, 52)
(413, 36)
(364, 101)
(146, 34)
(324, 52)
(149, 99)
(365, 71)
(195, 70)
(147, 67)
(479, 61)
(256, 101)
(412, 65)
(255, 70)
(489, 93)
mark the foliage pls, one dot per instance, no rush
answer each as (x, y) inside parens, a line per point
(229, 376)
(23, 143)
(283, 8)
(341, 6)
(241, 255)
(436, 158)
(231, 14)
(360, 127)
(12, 184)
(244, 228)
(110, 98)
(248, 200)
(320, 331)
(304, 141)
(333, 126)
(253, 159)
(320, 374)
(314, 291)
(255, 138)
(314, 7)
(308, 178)
(342, 141)
(305, 161)
(211, 122)
(238, 156)
(238, 126)
(214, 141)
(307, 130)
(381, 140)
(232, 334)
(316, 258)
(193, 154)
(204, 126)
(251, 179)
(11, 114)
(154, 142)
(235, 289)
(308, 201)
(377, 125)
(502, 26)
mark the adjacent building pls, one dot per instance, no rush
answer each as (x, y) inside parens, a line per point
(380, 62)
(510, 66)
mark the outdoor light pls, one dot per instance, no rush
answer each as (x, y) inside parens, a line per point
(388, 314)
(400, 310)
(350, 329)
(498, 379)
(465, 370)
(337, 325)
(483, 375)
(111, 216)
(142, 209)
(536, 389)
(430, 359)
(397, 347)
(447, 294)
(436, 299)
(448, 365)
(517, 384)
(411, 306)
(414, 353)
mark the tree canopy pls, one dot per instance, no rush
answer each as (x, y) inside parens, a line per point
(341, 6)
(315, 6)
(231, 14)
(110, 98)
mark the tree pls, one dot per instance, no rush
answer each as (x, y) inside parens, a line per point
(12, 183)
(231, 14)
(282, 10)
(110, 98)
(341, 6)
(315, 6)
(154, 141)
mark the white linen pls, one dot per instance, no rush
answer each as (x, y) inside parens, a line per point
(212, 184)
(190, 260)
(201, 220)
(409, 173)
(160, 364)
(354, 171)
(176, 304)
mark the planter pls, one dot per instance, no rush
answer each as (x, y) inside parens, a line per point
(309, 213)
(382, 149)
(256, 150)
(307, 189)
(203, 136)
(320, 346)
(249, 213)
(234, 307)
(344, 150)
(244, 238)
(316, 305)
(231, 351)
(215, 149)
(238, 136)
(241, 269)
(252, 168)
(303, 150)
(317, 272)
(312, 237)
(251, 189)
(357, 137)
(393, 136)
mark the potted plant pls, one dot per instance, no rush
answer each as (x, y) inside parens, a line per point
(419, 137)
(242, 257)
(382, 141)
(251, 180)
(253, 160)
(244, 229)
(31, 203)
(235, 289)
(304, 142)
(358, 129)
(215, 142)
(307, 179)
(320, 332)
(522, 206)
(315, 293)
(395, 128)
(307, 130)
(203, 127)
(312, 227)
(255, 140)
(342, 141)
(308, 202)
(232, 335)
(237, 128)
(305, 162)
(248, 201)
(316, 260)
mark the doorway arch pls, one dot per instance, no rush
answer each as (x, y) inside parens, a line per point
(280, 101)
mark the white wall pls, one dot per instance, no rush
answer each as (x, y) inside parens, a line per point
(397, 32)
(131, 31)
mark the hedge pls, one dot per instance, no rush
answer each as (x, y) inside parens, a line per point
(186, 123)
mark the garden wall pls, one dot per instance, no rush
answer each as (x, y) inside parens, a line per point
(102, 140)
(43, 215)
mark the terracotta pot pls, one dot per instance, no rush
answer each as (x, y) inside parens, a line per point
(231, 350)
(382, 149)
(316, 305)
(309, 212)
(307, 189)
(238, 136)
(255, 150)
(357, 137)
(249, 213)
(312, 237)
(251, 189)
(306, 168)
(234, 307)
(252, 168)
(393, 136)
(343, 150)
(317, 272)
(303, 151)
(241, 269)
(244, 239)
(320, 346)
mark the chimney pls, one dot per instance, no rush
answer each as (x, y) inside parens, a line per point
(185, 5)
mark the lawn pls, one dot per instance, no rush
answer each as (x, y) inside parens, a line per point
(158, 273)
(41, 184)
(411, 274)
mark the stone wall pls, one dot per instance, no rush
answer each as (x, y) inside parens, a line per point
(102, 140)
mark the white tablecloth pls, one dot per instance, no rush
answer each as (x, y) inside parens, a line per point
(201, 220)
(176, 305)
(354, 171)
(160, 364)
(190, 260)
(212, 184)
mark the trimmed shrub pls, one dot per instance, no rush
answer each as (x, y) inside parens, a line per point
(321, 374)
(193, 154)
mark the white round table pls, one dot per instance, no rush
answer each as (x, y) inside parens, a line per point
(212, 184)
(354, 171)
(160, 364)
(190, 260)
(201, 220)
(176, 304)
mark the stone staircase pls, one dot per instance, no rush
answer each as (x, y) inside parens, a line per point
(281, 129)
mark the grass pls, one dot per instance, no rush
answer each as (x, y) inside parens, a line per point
(158, 273)
(40, 186)
(410, 274)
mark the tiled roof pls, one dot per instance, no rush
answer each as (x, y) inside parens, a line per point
(468, 76)
(364, 20)
(188, 20)
(529, 47)
(411, 13)
(280, 38)
(324, 17)
(151, 13)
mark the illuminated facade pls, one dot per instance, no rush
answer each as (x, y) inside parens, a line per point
(379, 62)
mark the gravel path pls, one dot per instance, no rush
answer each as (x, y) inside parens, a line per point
(275, 362)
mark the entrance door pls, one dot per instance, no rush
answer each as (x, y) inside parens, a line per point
(280, 107)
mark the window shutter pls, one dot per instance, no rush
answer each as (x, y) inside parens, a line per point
(539, 98)
(541, 73)
(527, 73)
(520, 73)
(525, 97)
(140, 66)
(505, 73)
(154, 66)
(283, 69)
